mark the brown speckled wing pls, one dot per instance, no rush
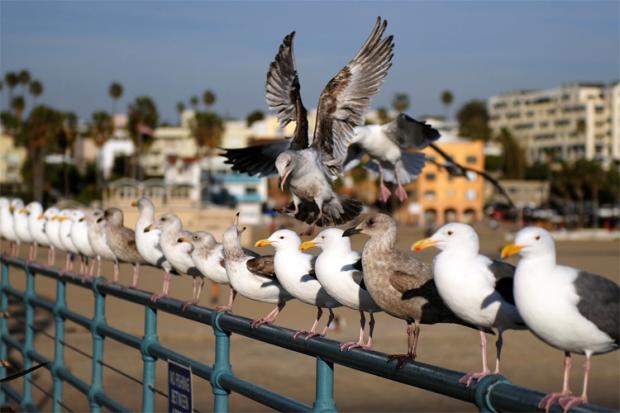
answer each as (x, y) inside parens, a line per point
(262, 266)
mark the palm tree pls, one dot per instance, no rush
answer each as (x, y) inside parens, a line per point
(143, 118)
(447, 98)
(254, 116)
(115, 91)
(209, 98)
(383, 115)
(180, 110)
(36, 89)
(11, 81)
(193, 101)
(24, 79)
(101, 128)
(400, 103)
(18, 104)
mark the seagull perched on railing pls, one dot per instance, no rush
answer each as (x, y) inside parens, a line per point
(36, 226)
(48, 215)
(569, 309)
(97, 238)
(122, 242)
(252, 276)
(307, 166)
(79, 236)
(22, 230)
(295, 271)
(477, 289)
(339, 270)
(64, 237)
(7, 206)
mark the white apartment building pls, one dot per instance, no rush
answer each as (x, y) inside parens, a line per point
(573, 121)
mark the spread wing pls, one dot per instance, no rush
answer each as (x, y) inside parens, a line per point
(346, 97)
(262, 266)
(283, 95)
(408, 132)
(256, 160)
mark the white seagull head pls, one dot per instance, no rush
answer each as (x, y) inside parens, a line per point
(453, 237)
(329, 239)
(281, 240)
(285, 164)
(202, 239)
(531, 242)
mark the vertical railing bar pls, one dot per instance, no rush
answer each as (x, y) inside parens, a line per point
(4, 322)
(59, 349)
(221, 365)
(28, 338)
(149, 362)
(324, 402)
(96, 385)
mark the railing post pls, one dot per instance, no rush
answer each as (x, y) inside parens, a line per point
(324, 386)
(96, 385)
(4, 324)
(26, 402)
(149, 362)
(221, 365)
(59, 349)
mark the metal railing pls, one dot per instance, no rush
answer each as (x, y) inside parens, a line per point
(491, 394)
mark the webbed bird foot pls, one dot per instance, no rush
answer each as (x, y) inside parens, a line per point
(300, 333)
(401, 359)
(401, 193)
(260, 322)
(223, 308)
(470, 377)
(384, 193)
(350, 345)
(568, 402)
(550, 399)
(188, 303)
(156, 297)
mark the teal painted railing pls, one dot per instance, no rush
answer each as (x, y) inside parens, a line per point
(491, 394)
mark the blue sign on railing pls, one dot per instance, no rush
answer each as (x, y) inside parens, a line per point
(179, 388)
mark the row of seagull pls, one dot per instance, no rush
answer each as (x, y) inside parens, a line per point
(569, 309)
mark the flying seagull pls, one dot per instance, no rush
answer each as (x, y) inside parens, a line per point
(569, 309)
(477, 289)
(308, 166)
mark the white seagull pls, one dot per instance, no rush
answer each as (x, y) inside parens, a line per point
(96, 236)
(79, 236)
(477, 289)
(66, 222)
(252, 277)
(36, 226)
(147, 242)
(339, 270)
(48, 215)
(569, 309)
(8, 227)
(22, 230)
(295, 271)
(52, 230)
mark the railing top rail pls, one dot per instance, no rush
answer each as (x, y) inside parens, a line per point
(497, 389)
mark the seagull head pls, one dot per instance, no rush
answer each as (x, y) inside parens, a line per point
(4, 202)
(49, 213)
(231, 237)
(373, 225)
(78, 215)
(203, 239)
(329, 239)
(143, 204)
(166, 222)
(114, 216)
(281, 240)
(453, 237)
(34, 209)
(184, 242)
(15, 205)
(531, 242)
(285, 163)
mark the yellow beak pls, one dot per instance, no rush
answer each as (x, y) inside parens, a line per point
(307, 245)
(41, 217)
(23, 211)
(262, 243)
(134, 204)
(11, 209)
(423, 244)
(511, 249)
(183, 239)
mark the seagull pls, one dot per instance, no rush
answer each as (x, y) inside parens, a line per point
(36, 226)
(252, 276)
(52, 230)
(79, 236)
(399, 283)
(477, 289)
(147, 242)
(4, 203)
(208, 257)
(386, 145)
(6, 220)
(47, 217)
(122, 242)
(176, 251)
(295, 271)
(569, 309)
(339, 270)
(97, 238)
(66, 222)
(20, 223)
(307, 166)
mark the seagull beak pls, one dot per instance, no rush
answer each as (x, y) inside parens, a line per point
(262, 243)
(423, 244)
(41, 217)
(11, 209)
(351, 231)
(147, 229)
(307, 245)
(23, 211)
(284, 178)
(511, 249)
(183, 239)
(134, 204)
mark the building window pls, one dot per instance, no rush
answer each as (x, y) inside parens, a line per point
(471, 194)
(450, 193)
(430, 195)
(430, 176)
(471, 159)
(250, 190)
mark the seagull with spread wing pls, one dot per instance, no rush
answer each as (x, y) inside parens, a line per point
(308, 166)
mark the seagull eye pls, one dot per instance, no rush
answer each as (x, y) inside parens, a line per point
(537, 237)
(282, 237)
(179, 240)
(370, 221)
(450, 233)
(323, 237)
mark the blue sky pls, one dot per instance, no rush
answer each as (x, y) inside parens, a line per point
(172, 50)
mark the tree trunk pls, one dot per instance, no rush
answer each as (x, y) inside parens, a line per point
(38, 173)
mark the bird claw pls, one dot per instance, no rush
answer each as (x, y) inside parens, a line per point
(350, 345)
(470, 377)
(156, 297)
(188, 303)
(299, 333)
(223, 308)
(401, 359)
(550, 399)
(259, 322)
(568, 402)
(401, 193)
(384, 194)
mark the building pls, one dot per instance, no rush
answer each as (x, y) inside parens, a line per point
(443, 125)
(436, 197)
(523, 193)
(12, 159)
(573, 121)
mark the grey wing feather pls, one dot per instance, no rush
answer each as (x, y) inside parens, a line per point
(256, 160)
(408, 132)
(346, 98)
(407, 273)
(282, 92)
(504, 279)
(599, 302)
